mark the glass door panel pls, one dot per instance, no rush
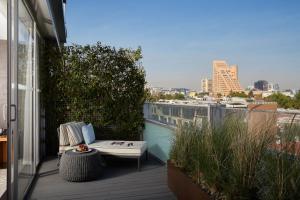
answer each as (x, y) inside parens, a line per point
(36, 100)
(26, 39)
(3, 97)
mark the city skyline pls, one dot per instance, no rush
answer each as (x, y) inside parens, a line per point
(262, 38)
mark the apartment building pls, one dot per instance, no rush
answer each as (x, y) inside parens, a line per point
(225, 78)
(206, 85)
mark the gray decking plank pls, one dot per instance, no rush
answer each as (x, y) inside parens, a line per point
(117, 182)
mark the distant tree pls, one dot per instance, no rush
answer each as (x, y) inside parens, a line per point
(297, 96)
(179, 96)
(148, 96)
(238, 94)
(250, 94)
(297, 100)
(202, 94)
(219, 95)
(284, 101)
(159, 96)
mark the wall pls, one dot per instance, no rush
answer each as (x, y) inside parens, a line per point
(3, 82)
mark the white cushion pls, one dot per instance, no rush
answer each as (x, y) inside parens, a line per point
(107, 147)
(75, 133)
(63, 134)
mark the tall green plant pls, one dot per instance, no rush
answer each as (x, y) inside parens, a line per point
(247, 148)
(225, 159)
(280, 167)
(202, 153)
(97, 84)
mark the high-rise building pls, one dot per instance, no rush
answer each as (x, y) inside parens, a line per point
(273, 87)
(225, 78)
(206, 85)
(261, 85)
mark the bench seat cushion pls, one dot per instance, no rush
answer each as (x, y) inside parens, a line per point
(113, 147)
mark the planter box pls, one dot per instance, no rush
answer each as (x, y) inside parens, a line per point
(183, 186)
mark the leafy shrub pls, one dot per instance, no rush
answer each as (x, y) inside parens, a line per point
(285, 101)
(97, 84)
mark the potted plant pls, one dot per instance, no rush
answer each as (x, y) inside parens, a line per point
(231, 161)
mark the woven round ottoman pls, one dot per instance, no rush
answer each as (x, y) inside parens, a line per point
(78, 167)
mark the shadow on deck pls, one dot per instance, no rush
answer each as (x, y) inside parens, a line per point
(120, 180)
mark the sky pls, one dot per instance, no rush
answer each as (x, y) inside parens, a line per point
(180, 39)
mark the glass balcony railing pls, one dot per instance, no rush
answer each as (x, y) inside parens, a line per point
(162, 119)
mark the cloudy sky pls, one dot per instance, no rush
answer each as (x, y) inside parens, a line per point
(180, 39)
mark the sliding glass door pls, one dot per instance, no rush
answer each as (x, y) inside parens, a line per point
(3, 97)
(23, 98)
(26, 62)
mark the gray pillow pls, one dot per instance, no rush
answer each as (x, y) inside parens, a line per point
(75, 133)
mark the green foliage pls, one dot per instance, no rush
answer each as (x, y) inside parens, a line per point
(233, 160)
(238, 94)
(250, 94)
(97, 84)
(279, 176)
(159, 96)
(148, 96)
(297, 97)
(248, 146)
(285, 101)
(202, 94)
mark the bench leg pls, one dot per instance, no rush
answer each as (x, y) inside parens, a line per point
(139, 163)
(147, 155)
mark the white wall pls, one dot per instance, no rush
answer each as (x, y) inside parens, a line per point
(3, 20)
(3, 83)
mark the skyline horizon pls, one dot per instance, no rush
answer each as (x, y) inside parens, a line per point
(261, 38)
(210, 77)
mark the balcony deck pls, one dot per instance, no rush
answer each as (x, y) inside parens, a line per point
(120, 180)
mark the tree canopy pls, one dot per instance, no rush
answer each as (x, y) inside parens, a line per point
(285, 101)
(238, 94)
(156, 97)
(96, 84)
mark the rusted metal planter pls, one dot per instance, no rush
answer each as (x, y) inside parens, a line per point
(182, 186)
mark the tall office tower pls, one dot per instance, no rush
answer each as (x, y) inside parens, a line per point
(225, 78)
(206, 85)
(261, 85)
(273, 87)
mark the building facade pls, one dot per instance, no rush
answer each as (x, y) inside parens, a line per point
(261, 85)
(273, 87)
(206, 85)
(225, 78)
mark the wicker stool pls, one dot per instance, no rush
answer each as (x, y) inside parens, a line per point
(78, 167)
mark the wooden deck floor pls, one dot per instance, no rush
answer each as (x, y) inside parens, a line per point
(120, 180)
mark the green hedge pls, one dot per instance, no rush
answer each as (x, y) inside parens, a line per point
(97, 84)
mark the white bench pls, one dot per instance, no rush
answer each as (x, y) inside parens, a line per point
(119, 148)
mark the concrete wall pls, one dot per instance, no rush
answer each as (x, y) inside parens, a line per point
(262, 117)
(3, 82)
